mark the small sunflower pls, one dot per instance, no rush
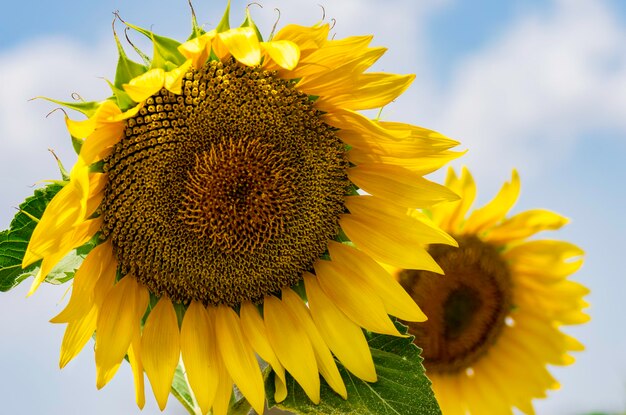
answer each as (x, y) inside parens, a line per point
(219, 184)
(494, 318)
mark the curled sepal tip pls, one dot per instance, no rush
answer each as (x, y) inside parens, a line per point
(88, 108)
(248, 22)
(166, 55)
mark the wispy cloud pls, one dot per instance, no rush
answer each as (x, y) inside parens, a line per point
(52, 67)
(528, 97)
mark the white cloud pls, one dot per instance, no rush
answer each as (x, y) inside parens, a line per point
(525, 99)
(52, 67)
(529, 96)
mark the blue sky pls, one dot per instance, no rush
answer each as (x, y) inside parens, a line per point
(536, 85)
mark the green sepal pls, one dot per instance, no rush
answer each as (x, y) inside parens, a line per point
(97, 167)
(65, 176)
(248, 22)
(402, 387)
(196, 30)
(14, 241)
(127, 69)
(224, 24)
(123, 100)
(88, 108)
(77, 144)
(166, 54)
(180, 310)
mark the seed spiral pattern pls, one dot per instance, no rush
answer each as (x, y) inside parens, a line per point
(466, 308)
(226, 192)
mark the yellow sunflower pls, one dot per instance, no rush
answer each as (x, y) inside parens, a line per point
(219, 183)
(494, 318)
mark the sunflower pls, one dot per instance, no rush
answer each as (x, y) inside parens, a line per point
(219, 186)
(494, 318)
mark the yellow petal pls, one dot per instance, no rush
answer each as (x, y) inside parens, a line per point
(77, 334)
(281, 389)
(66, 209)
(385, 247)
(119, 317)
(451, 216)
(284, 53)
(100, 260)
(224, 388)
(571, 317)
(197, 49)
(199, 350)
(486, 387)
(398, 140)
(219, 48)
(332, 55)
(538, 331)
(544, 258)
(307, 38)
(360, 303)
(370, 91)
(292, 346)
(134, 358)
(105, 283)
(423, 139)
(454, 405)
(243, 44)
(97, 184)
(360, 127)
(381, 230)
(174, 78)
(239, 357)
(254, 329)
(325, 362)
(399, 185)
(342, 335)
(145, 85)
(75, 237)
(395, 299)
(99, 144)
(494, 211)
(420, 165)
(525, 224)
(339, 80)
(160, 349)
(82, 129)
(490, 379)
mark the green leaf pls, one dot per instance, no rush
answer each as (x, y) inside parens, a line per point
(182, 391)
(123, 100)
(14, 241)
(402, 387)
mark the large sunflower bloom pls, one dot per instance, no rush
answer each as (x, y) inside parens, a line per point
(219, 183)
(494, 318)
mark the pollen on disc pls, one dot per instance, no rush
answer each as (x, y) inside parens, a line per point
(227, 192)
